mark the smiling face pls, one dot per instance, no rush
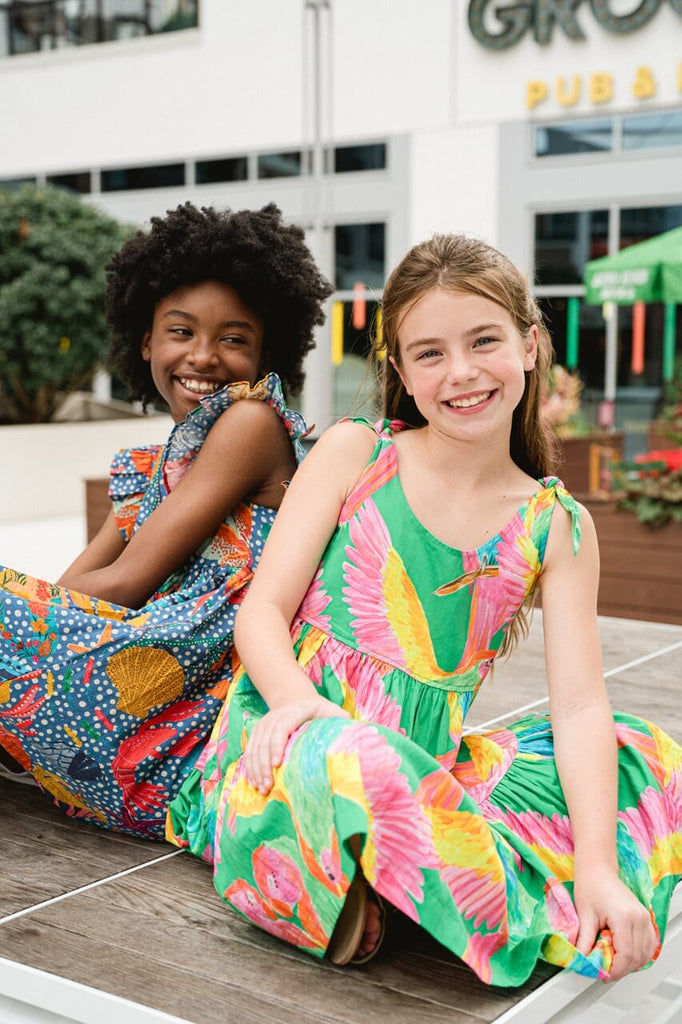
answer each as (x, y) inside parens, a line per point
(463, 361)
(202, 337)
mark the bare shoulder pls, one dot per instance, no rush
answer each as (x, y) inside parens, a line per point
(346, 444)
(248, 415)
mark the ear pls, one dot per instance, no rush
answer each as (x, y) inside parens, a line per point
(397, 369)
(145, 347)
(531, 347)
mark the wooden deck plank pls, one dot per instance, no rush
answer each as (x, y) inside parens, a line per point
(161, 936)
(44, 854)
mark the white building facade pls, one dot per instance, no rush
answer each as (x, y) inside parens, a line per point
(552, 128)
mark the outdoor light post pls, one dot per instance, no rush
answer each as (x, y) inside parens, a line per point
(318, 400)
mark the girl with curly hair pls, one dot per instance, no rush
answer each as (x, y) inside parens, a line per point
(112, 677)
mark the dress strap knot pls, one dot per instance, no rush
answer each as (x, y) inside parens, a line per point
(570, 504)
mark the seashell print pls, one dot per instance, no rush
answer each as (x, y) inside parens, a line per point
(144, 678)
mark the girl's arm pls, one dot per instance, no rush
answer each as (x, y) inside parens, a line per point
(245, 450)
(585, 745)
(304, 524)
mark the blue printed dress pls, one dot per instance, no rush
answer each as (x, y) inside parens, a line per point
(468, 835)
(108, 706)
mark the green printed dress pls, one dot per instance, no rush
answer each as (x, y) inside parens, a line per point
(468, 835)
(108, 706)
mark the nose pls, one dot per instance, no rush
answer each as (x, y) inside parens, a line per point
(202, 354)
(461, 366)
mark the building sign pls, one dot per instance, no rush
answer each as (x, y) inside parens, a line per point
(498, 26)
(597, 87)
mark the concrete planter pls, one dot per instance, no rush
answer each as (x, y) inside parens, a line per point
(45, 465)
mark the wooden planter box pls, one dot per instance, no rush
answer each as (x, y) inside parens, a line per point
(97, 504)
(656, 441)
(583, 461)
(641, 569)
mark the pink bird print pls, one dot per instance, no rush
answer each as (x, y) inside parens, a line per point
(320, 851)
(365, 768)
(362, 679)
(314, 603)
(490, 755)
(478, 951)
(654, 826)
(388, 619)
(251, 904)
(658, 750)
(550, 837)
(468, 861)
(379, 472)
(561, 912)
(281, 883)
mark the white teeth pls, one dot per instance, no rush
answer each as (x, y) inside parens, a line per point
(199, 386)
(466, 403)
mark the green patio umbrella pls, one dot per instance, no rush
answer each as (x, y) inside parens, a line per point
(649, 271)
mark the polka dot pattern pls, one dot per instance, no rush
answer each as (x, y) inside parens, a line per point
(112, 705)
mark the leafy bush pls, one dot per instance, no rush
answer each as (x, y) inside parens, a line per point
(651, 487)
(53, 248)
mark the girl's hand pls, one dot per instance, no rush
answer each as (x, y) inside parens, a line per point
(603, 901)
(265, 746)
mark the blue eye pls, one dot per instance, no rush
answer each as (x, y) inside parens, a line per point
(428, 353)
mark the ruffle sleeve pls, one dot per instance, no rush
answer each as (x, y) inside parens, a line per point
(188, 436)
(129, 476)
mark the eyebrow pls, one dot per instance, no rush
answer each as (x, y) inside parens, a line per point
(243, 324)
(471, 333)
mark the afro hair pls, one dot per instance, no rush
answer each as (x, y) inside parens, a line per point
(266, 262)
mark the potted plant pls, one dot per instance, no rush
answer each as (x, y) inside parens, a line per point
(651, 487)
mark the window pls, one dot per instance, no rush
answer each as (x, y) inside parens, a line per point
(31, 25)
(639, 223)
(279, 165)
(359, 251)
(160, 176)
(360, 158)
(573, 137)
(620, 133)
(233, 168)
(564, 242)
(11, 183)
(78, 182)
(652, 131)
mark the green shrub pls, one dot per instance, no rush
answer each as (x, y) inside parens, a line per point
(53, 248)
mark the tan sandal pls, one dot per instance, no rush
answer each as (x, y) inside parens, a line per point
(350, 926)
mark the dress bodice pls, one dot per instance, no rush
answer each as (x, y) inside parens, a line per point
(390, 588)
